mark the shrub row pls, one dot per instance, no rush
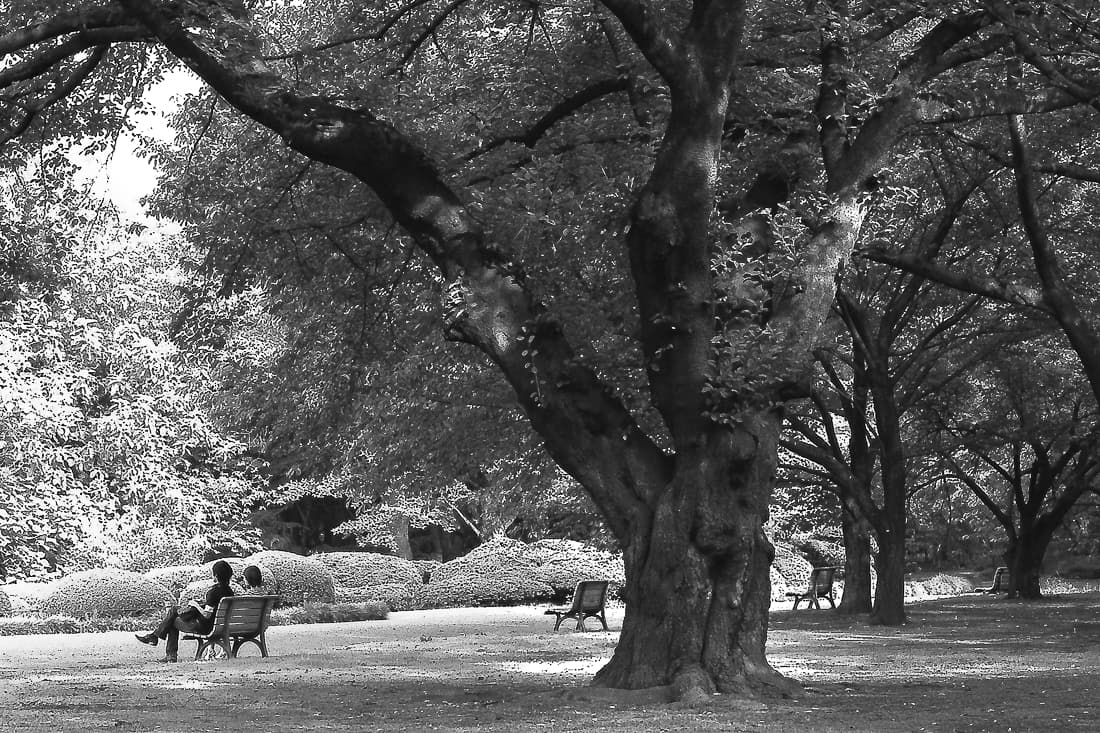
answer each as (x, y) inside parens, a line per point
(500, 572)
(312, 613)
(329, 613)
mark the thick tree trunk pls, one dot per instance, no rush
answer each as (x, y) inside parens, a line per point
(1024, 559)
(857, 565)
(889, 607)
(698, 587)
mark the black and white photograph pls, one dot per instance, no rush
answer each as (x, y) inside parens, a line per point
(592, 366)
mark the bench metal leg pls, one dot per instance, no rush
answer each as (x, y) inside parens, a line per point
(257, 640)
(207, 645)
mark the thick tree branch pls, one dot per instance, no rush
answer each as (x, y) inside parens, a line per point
(650, 32)
(80, 42)
(953, 278)
(61, 25)
(984, 497)
(1039, 60)
(899, 106)
(586, 428)
(994, 103)
(1056, 293)
(888, 27)
(831, 107)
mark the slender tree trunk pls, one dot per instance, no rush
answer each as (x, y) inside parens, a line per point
(857, 565)
(698, 587)
(890, 591)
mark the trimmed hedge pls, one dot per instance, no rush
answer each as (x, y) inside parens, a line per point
(366, 569)
(564, 563)
(299, 579)
(938, 585)
(822, 551)
(104, 591)
(790, 572)
(25, 596)
(315, 613)
(426, 568)
(397, 596)
(206, 570)
(329, 613)
(498, 587)
(497, 573)
(196, 590)
(175, 577)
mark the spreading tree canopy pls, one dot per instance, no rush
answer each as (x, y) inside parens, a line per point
(754, 138)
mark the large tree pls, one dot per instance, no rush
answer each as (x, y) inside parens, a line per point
(728, 302)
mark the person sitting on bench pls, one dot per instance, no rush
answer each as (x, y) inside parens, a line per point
(194, 618)
(256, 584)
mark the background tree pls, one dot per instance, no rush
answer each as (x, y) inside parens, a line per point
(1041, 267)
(901, 345)
(107, 447)
(1019, 436)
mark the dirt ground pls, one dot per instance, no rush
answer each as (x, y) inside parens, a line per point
(964, 664)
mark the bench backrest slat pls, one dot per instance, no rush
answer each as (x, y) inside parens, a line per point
(589, 595)
(821, 581)
(243, 614)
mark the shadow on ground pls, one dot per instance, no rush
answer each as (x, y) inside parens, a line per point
(971, 664)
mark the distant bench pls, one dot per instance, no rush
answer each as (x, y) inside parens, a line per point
(820, 586)
(238, 620)
(1000, 581)
(588, 602)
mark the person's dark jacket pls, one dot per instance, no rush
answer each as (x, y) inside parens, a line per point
(201, 624)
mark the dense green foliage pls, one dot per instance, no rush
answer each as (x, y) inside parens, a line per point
(109, 456)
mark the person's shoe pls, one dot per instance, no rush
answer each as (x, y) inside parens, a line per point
(169, 658)
(150, 639)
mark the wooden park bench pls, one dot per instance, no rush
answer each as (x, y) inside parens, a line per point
(820, 586)
(238, 620)
(588, 602)
(1000, 581)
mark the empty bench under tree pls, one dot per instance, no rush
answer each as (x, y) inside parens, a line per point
(1000, 582)
(820, 586)
(588, 602)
